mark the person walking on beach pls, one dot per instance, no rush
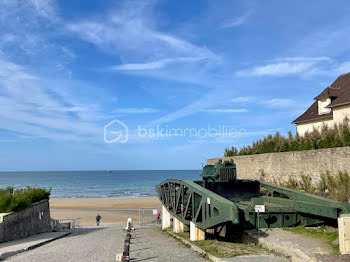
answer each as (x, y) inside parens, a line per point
(98, 218)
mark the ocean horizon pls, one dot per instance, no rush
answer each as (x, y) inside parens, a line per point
(95, 184)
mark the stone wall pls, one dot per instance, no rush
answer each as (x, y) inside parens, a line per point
(277, 167)
(32, 220)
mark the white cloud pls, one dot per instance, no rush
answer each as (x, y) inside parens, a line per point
(343, 68)
(32, 9)
(285, 66)
(29, 106)
(45, 8)
(243, 99)
(278, 69)
(280, 103)
(153, 65)
(131, 30)
(236, 21)
(304, 59)
(332, 40)
(26, 28)
(145, 110)
(226, 110)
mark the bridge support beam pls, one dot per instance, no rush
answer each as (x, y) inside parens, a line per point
(178, 226)
(196, 233)
(165, 218)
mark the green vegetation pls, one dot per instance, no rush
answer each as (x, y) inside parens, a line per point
(229, 249)
(335, 187)
(339, 136)
(18, 199)
(329, 234)
(225, 248)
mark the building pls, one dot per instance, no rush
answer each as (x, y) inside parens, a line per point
(331, 107)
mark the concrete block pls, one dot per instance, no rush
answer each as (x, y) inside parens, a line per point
(178, 226)
(196, 233)
(118, 257)
(344, 234)
(165, 218)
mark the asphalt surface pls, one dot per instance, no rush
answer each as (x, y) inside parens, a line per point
(151, 244)
(86, 244)
(103, 243)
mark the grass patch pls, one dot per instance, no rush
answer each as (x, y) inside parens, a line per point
(224, 248)
(180, 241)
(19, 199)
(204, 256)
(329, 234)
(227, 249)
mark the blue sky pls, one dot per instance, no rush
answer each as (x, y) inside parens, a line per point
(69, 68)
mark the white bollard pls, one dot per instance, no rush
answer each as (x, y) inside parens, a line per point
(129, 222)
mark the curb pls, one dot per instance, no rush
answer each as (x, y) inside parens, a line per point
(6, 255)
(197, 249)
(295, 254)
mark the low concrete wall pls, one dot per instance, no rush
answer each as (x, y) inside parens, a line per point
(32, 220)
(277, 167)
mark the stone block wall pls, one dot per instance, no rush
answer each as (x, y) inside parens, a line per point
(277, 167)
(32, 220)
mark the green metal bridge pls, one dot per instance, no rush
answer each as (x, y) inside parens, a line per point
(221, 199)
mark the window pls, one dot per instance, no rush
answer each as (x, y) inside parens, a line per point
(322, 106)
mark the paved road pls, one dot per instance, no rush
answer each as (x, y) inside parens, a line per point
(102, 244)
(151, 244)
(87, 244)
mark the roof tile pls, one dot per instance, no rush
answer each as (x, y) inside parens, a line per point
(340, 90)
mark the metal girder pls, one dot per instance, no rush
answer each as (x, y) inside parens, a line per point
(306, 203)
(191, 201)
(195, 203)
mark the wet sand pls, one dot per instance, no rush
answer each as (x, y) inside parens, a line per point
(112, 210)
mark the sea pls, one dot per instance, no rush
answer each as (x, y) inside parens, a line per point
(96, 184)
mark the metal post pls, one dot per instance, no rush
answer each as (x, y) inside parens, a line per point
(258, 222)
(126, 253)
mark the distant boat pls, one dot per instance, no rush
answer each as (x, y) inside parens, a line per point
(108, 171)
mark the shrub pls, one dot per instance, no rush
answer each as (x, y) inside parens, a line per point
(291, 183)
(5, 199)
(306, 184)
(338, 136)
(335, 187)
(338, 187)
(17, 200)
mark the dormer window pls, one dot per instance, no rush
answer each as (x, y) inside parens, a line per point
(322, 106)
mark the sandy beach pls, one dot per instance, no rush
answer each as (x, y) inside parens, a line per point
(112, 210)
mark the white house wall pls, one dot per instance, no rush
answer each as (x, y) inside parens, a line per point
(302, 128)
(340, 113)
